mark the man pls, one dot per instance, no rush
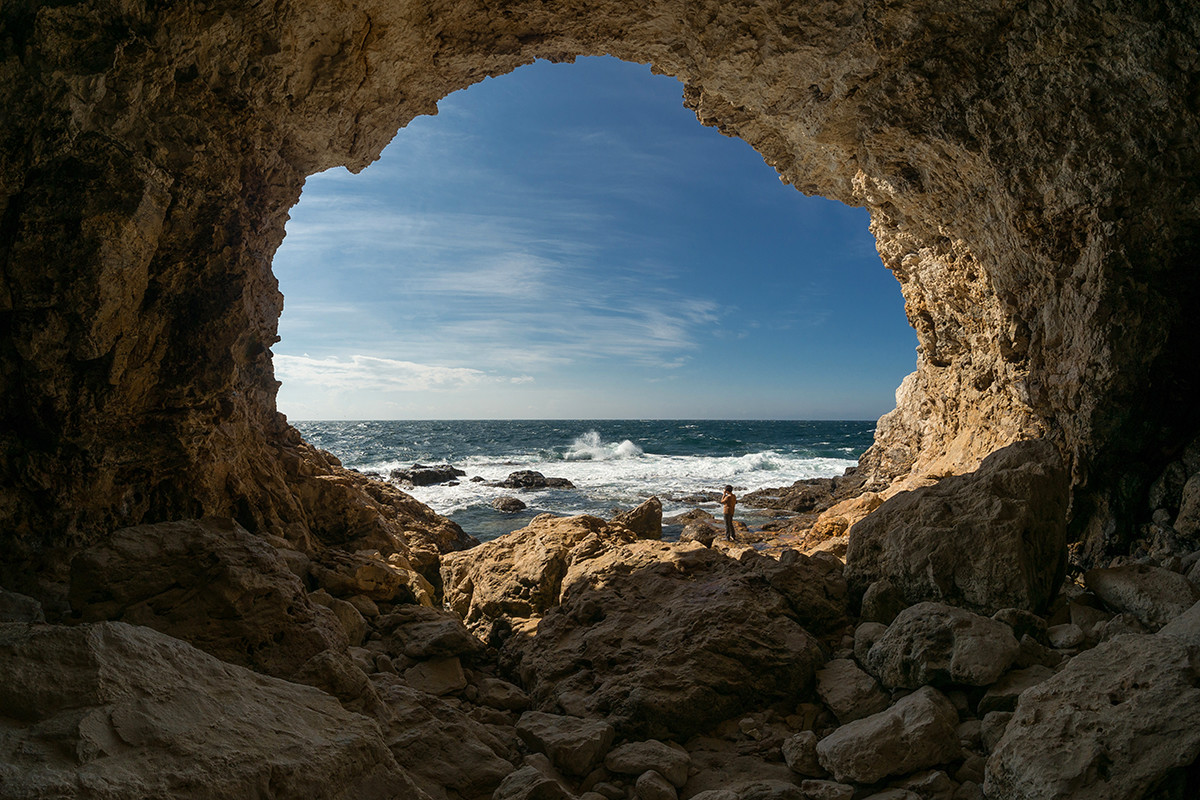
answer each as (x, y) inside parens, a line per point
(729, 502)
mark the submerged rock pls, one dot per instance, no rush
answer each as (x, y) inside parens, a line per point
(421, 475)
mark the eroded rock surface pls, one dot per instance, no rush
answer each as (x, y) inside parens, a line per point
(992, 539)
(117, 710)
(1116, 722)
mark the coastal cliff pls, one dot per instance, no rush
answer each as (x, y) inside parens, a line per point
(1031, 175)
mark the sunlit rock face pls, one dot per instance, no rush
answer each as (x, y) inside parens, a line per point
(1030, 170)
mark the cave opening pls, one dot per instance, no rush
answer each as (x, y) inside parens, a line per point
(567, 242)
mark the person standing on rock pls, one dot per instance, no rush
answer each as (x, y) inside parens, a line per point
(729, 502)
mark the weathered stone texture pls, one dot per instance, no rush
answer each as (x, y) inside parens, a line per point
(1027, 168)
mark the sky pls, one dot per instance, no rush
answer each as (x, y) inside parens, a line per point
(568, 242)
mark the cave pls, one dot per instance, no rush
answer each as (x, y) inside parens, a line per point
(1031, 171)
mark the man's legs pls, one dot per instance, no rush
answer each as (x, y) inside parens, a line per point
(729, 528)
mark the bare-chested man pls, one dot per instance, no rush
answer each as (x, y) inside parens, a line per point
(729, 502)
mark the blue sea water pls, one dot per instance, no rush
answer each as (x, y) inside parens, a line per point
(614, 464)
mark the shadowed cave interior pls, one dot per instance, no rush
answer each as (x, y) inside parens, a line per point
(1031, 174)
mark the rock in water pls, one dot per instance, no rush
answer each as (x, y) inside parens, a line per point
(991, 539)
(1115, 723)
(117, 710)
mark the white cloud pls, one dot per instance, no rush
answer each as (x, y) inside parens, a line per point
(370, 373)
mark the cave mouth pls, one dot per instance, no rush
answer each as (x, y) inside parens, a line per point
(1044, 245)
(567, 242)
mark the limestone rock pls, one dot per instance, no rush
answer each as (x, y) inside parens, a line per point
(422, 632)
(634, 758)
(519, 574)
(1065, 636)
(1185, 627)
(530, 783)
(645, 520)
(19, 608)
(701, 532)
(652, 786)
(574, 745)
(116, 710)
(916, 733)
(992, 539)
(826, 790)
(210, 583)
(1187, 522)
(442, 749)
(1153, 594)
(352, 622)
(369, 574)
(849, 692)
(800, 753)
(1002, 695)
(1113, 723)
(933, 643)
(677, 638)
(437, 676)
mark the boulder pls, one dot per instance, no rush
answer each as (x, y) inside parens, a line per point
(530, 783)
(849, 692)
(1002, 695)
(572, 744)
(931, 643)
(652, 786)
(440, 747)
(19, 608)
(422, 475)
(645, 521)
(882, 602)
(1152, 594)
(991, 539)
(437, 676)
(698, 531)
(826, 790)
(1185, 627)
(210, 583)
(1187, 522)
(676, 637)
(369, 574)
(1115, 722)
(519, 574)
(918, 732)
(529, 479)
(800, 754)
(508, 505)
(634, 758)
(421, 632)
(116, 710)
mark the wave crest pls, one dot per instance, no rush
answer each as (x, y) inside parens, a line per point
(590, 447)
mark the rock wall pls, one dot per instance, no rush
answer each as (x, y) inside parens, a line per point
(1030, 169)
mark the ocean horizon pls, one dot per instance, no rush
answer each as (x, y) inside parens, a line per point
(614, 464)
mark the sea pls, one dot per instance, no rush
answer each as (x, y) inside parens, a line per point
(614, 464)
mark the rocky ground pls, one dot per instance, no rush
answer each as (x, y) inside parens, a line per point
(587, 658)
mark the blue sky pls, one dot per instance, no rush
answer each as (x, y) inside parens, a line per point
(567, 241)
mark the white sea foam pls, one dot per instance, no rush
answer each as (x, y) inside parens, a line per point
(590, 447)
(623, 476)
